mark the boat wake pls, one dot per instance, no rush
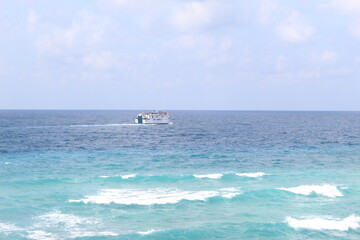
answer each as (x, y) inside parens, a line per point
(106, 125)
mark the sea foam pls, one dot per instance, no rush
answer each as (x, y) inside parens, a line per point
(56, 219)
(122, 176)
(128, 176)
(9, 228)
(154, 196)
(149, 231)
(252, 175)
(81, 234)
(72, 226)
(212, 176)
(41, 235)
(325, 190)
(325, 224)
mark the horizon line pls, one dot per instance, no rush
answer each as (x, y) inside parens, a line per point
(229, 110)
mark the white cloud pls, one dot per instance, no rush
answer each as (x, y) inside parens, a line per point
(266, 12)
(58, 38)
(44, 43)
(117, 3)
(355, 28)
(100, 60)
(328, 56)
(222, 55)
(280, 64)
(193, 15)
(32, 19)
(187, 40)
(347, 5)
(85, 29)
(352, 9)
(294, 29)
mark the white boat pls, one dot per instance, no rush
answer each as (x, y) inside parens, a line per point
(156, 117)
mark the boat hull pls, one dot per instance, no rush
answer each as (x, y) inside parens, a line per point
(144, 121)
(156, 117)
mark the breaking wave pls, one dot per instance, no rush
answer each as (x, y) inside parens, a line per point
(351, 222)
(41, 235)
(212, 176)
(122, 176)
(225, 176)
(56, 219)
(149, 232)
(154, 196)
(325, 190)
(128, 176)
(9, 228)
(252, 175)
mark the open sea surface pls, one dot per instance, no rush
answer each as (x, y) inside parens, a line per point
(95, 175)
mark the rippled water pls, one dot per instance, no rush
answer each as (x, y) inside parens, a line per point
(209, 175)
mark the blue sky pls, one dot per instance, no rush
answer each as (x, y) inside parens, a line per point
(180, 54)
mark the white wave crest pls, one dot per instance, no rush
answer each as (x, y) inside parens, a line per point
(81, 234)
(122, 176)
(212, 176)
(128, 176)
(325, 190)
(149, 232)
(72, 226)
(56, 219)
(230, 192)
(6, 163)
(154, 196)
(9, 228)
(325, 224)
(41, 235)
(252, 175)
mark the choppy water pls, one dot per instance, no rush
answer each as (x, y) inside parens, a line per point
(210, 175)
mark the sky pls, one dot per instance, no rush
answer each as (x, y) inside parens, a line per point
(180, 54)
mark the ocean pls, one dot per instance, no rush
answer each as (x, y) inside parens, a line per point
(209, 175)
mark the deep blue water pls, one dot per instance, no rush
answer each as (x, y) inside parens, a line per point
(209, 175)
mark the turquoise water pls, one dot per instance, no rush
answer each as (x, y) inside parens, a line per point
(209, 175)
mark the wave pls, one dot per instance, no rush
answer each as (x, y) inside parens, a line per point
(351, 222)
(325, 190)
(122, 176)
(252, 175)
(128, 176)
(188, 177)
(154, 196)
(9, 228)
(212, 176)
(76, 233)
(72, 226)
(81, 234)
(41, 235)
(55, 219)
(149, 231)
